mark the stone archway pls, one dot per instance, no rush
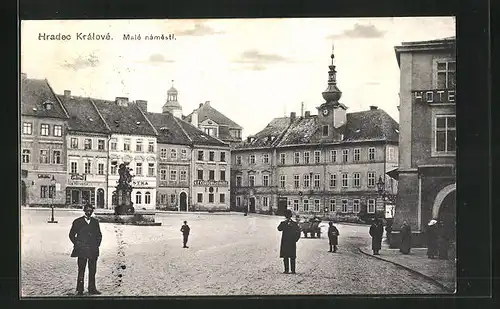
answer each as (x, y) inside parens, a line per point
(183, 201)
(438, 201)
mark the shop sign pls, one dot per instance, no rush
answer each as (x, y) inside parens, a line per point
(78, 183)
(435, 96)
(46, 176)
(210, 183)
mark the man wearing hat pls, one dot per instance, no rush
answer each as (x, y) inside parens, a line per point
(289, 237)
(185, 234)
(432, 248)
(85, 234)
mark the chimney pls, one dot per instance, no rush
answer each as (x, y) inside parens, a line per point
(121, 101)
(24, 76)
(67, 93)
(292, 117)
(201, 104)
(307, 114)
(143, 104)
(194, 118)
(373, 107)
(249, 139)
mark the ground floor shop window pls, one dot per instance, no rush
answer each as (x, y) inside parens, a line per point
(316, 205)
(355, 206)
(147, 198)
(200, 198)
(238, 201)
(306, 205)
(210, 197)
(43, 191)
(223, 198)
(172, 199)
(138, 197)
(295, 205)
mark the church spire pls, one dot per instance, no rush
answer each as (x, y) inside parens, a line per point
(332, 93)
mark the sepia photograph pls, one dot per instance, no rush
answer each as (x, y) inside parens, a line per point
(240, 157)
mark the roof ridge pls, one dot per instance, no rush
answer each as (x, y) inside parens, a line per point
(183, 131)
(57, 98)
(100, 115)
(147, 119)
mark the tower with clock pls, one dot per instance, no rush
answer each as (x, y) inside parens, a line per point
(332, 113)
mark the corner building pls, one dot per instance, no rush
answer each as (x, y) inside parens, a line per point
(326, 164)
(43, 148)
(427, 163)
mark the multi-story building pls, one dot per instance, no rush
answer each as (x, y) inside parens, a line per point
(174, 150)
(43, 144)
(133, 142)
(214, 123)
(325, 164)
(87, 152)
(426, 173)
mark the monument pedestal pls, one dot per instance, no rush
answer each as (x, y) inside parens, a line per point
(144, 218)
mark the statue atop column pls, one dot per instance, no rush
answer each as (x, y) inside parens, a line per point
(124, 191)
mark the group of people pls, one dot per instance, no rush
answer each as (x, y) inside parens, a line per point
(86, 236)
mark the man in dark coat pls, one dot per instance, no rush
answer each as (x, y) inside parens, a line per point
(443, 242)
(185, 234)
(431, 235)
(376, 232)
(289, 238)
(405, 238)
(333, 235)
(85, 234)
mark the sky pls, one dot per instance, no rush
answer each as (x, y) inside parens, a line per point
(251, 70)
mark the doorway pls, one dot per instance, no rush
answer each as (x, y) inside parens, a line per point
(282, 206)
(183, 201)
(23, 193)
(100, 198)
(251, 205)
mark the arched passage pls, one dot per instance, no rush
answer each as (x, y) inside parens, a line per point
(183, 201)
(438, 201)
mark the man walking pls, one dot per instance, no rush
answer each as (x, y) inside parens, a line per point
(85, 234)
(333, 235)
(431, 234)
(185, 234)
(290, 235)
(376, 232)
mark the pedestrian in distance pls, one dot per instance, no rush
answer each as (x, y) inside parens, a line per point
(85, 234)
(405, 246)
(333, 237)
(376, 232)
(185, 234)
(431, 236)
(289, 237)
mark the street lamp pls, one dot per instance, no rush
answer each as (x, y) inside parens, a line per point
(53, 185)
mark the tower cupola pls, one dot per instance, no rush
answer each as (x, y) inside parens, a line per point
(172, 105)
(332, 93)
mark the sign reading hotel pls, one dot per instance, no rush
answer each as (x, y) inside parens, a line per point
(435, 96)
(210, 183)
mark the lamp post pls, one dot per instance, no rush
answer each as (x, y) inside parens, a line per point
(53, 185)
(382, 193)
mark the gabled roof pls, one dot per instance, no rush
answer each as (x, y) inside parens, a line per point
(269, 136)
(34, 92)
(206, 111)
(169, 131)
(124, 119)
(301, 131)
(83, 115)
(199, 137)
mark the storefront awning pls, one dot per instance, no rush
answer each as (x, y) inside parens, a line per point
(394, 174)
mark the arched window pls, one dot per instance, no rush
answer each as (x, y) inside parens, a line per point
(147, 198)
(138, 197)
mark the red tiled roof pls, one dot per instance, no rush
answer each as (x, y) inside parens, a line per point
(83, 116)
(34, 92)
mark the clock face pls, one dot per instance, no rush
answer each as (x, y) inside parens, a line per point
(325, 112)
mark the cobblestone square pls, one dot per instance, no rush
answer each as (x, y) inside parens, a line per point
(228, 254)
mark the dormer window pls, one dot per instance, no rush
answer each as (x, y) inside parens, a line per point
(325, 130)
(48, 105)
